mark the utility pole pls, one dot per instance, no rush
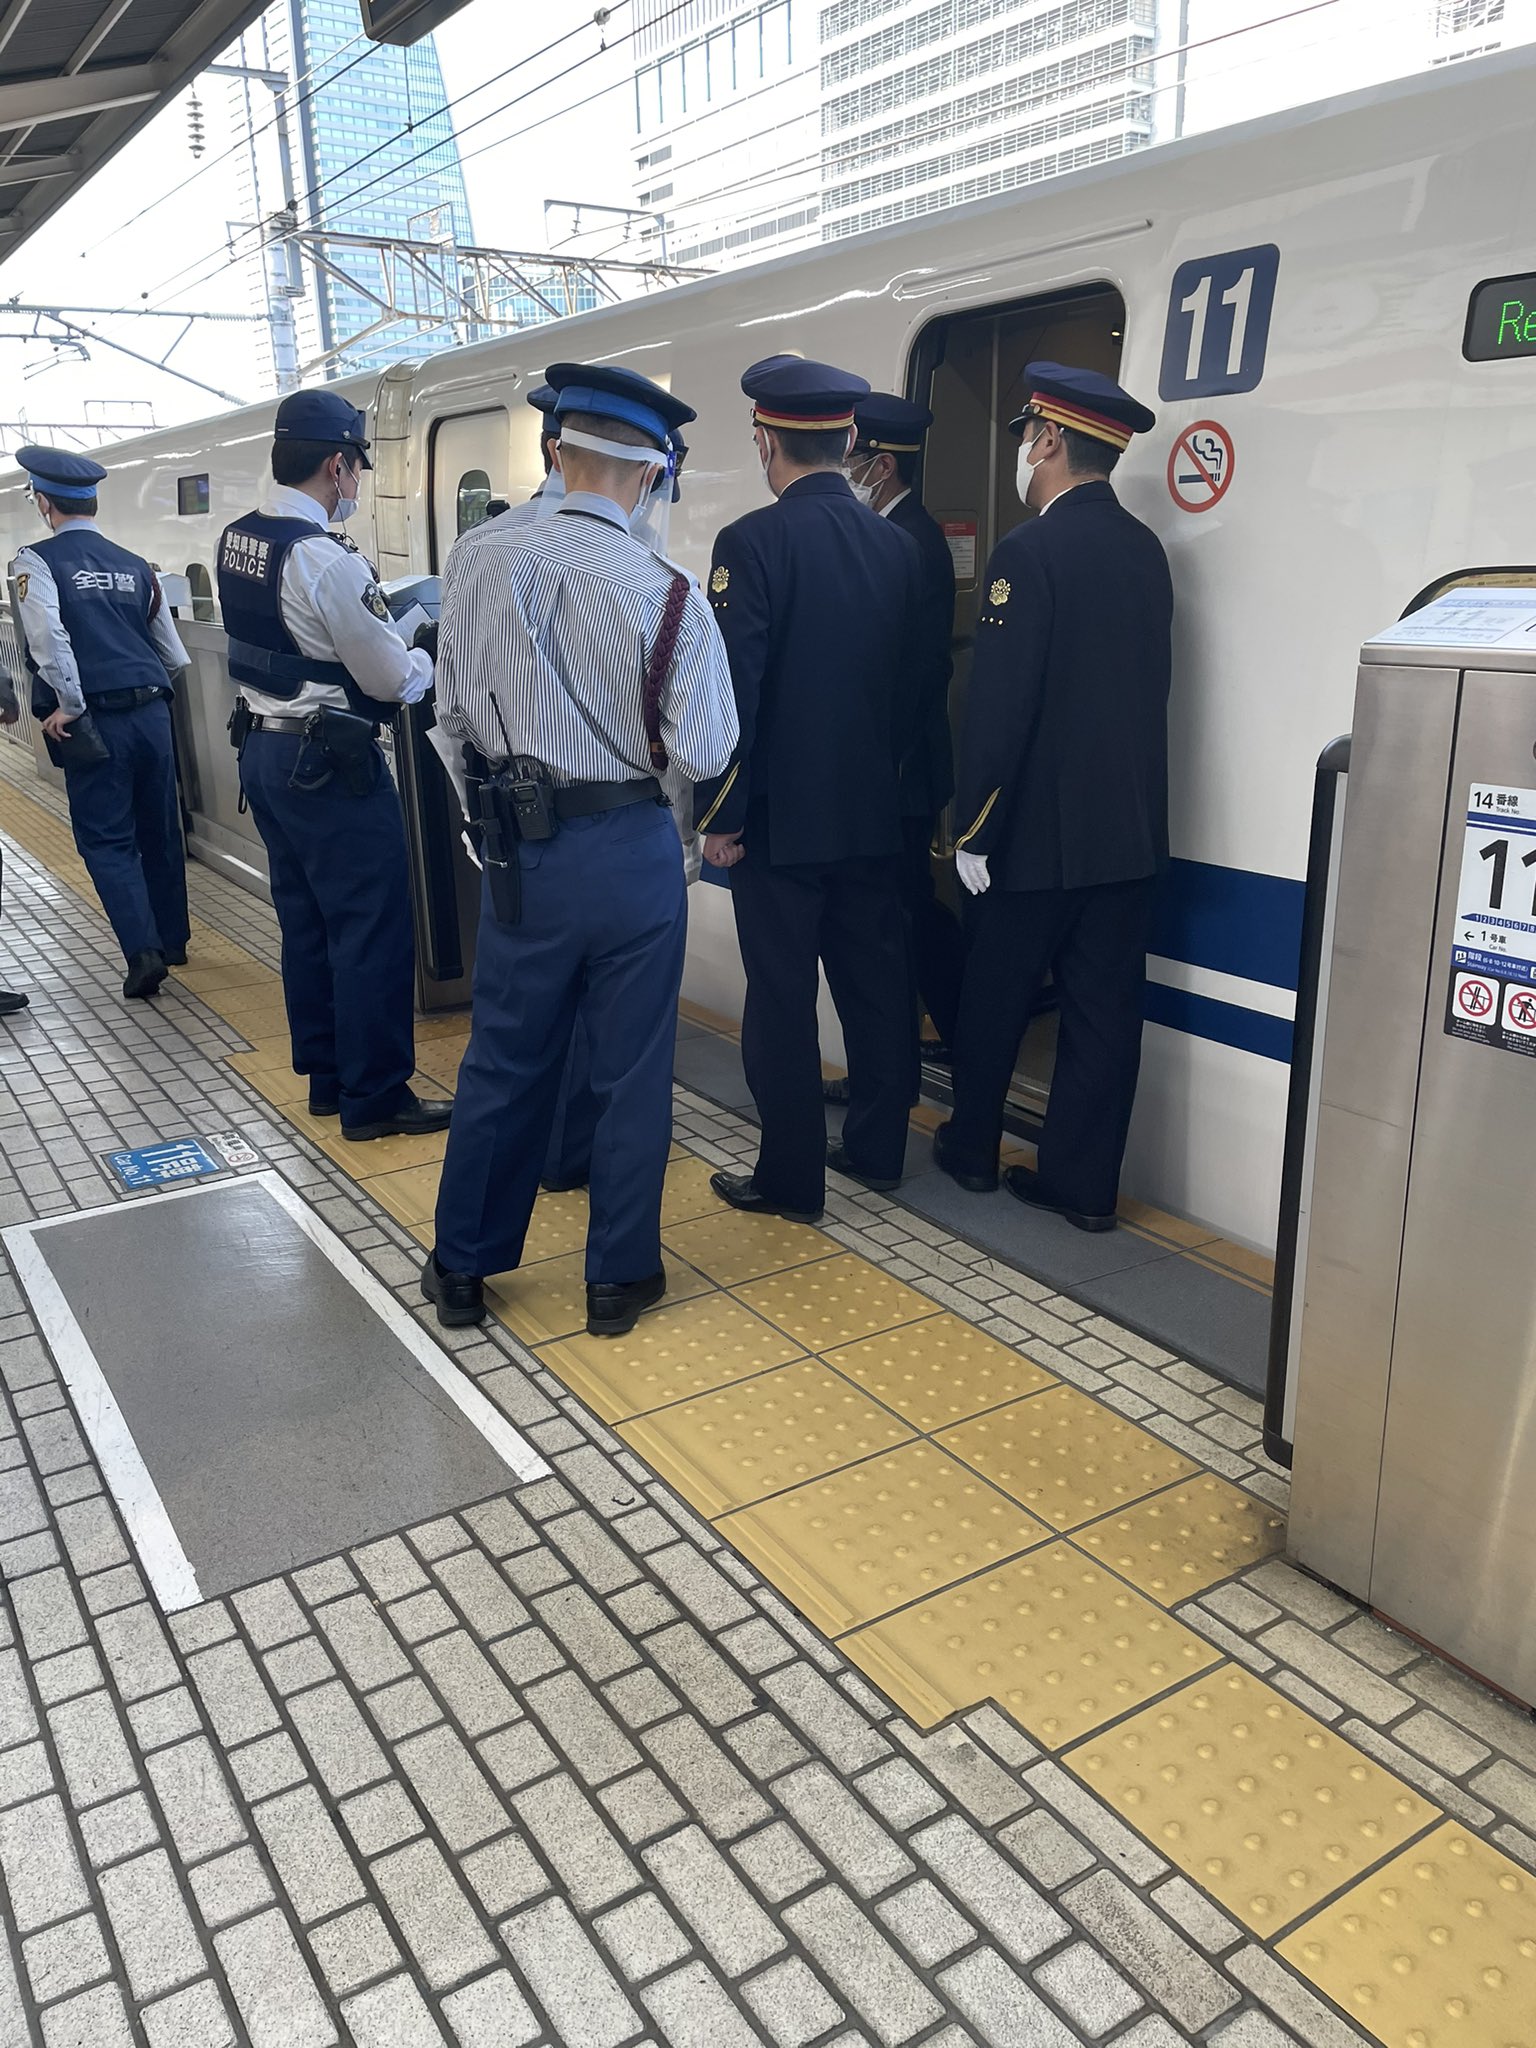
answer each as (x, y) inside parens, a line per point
(284, 270)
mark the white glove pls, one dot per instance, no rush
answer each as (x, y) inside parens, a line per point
(972, 870)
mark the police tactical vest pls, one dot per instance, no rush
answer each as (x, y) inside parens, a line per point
(105, 596)
(262, 651)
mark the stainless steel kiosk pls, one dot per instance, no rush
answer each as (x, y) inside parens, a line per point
(1414, 1478)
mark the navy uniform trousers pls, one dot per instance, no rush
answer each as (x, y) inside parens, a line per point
(341, 889)
(604, 923)
(1094, 944)
(126, 818)
(938, 949)
(568, 1160)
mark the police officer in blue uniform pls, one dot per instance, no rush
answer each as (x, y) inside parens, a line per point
(102, 650)
(320, 669)
(1062, 806)
(820, 607)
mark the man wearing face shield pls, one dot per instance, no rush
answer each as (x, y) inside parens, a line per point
(1062, 804)
(320, 668)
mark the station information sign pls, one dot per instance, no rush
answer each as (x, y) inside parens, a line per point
(1501, 319)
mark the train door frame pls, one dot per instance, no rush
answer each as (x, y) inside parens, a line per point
(495, 407)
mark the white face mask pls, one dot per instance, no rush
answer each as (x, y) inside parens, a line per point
(865, 493)
(1025, 471)
(345, 507)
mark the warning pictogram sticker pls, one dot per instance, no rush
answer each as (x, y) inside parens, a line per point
(1476, 997)
(1200, 466)
(1520, 1010)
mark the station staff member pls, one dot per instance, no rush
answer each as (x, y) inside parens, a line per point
(575, 657)
(820, 610)
(99, 638)
(319, 667)
(1062, 807)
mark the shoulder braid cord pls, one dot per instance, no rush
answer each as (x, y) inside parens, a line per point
(659, 667)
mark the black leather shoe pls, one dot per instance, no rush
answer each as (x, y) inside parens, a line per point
(175, 956)
(413, 1119)
(324, 1105)
(838, 1160)
(563, 1187)
(11, 1002)
(836, 1091)
(1024, 1184)
(459, 1297)
(973, 1183)
(742, 1192)
(615, 1306)
(146, 971)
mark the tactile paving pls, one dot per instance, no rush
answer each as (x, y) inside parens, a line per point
(1056, 1641)
(379, 1155)
(736, 1446)
(671, 1354)
(878, 1535)
(411, 1194)
(1252, 1796)
(1067, 1458)
(835, 1301)
(1177, 1543)
(687, 1191)
(1437, 1947)
(549, 1298)
(731, 1247)
(938, 1370)
(558, 1224)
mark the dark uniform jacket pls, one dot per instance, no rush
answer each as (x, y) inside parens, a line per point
(818, 601)
(928, 770)
(1064, 753)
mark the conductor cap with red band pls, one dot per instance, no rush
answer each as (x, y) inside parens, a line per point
(1086, 401)
(801, 397)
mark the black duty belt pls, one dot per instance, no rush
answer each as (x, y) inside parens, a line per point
(124, 700)
(586, 799)
(261, 721)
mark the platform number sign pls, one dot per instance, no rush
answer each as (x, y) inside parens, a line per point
(1218, 323)
(1492, 997)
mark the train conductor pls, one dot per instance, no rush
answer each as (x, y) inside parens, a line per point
(819, 605)
(320, 669)
(1062, 806)
(580, 666)
(101, 649)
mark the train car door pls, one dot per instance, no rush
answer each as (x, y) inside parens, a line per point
(470, 466)
(969, 368)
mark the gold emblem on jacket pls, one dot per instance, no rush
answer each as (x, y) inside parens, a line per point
(720, 580)
(22, 583)
(1000, 592)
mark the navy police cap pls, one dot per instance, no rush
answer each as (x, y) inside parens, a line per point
(58, 474)
(1086, 400)
(542, 398)
(611, 393)
(813, 397)
(322, 416)
(889, 425)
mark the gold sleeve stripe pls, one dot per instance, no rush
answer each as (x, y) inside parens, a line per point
(703, 824)
(986, 812)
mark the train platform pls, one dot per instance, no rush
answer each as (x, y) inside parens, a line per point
(882, 1645)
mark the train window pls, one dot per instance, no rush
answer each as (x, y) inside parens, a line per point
(202, 592)
(474, 496)
(1472, 579)
(191, 495)
(1501, 320)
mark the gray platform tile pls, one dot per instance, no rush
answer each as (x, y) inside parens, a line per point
(491, 2013)
(480, 1592)
(1252, 2030)
(47, 1614)
(639, 1699)
(1114, 1842)
(713, 1900)
(593, 1644)
(55, 1444)
(297, 1666)
(421, 1615)
(846, 1833)
(338, 1741)
(972, 1777)
(723, 1798)
(517, 1755)
(1320, 1660)
(1479, 1712)
(65, 1958)
(230, 1887)
(590, 1551)
(42, 1872)
(91, 1536)
(576, 1721)
(271, 1614)
(693, 2010)
(593, 1867)
(505, 1874)
(1291, 2001)
(453, 1788)
(439, 1925)
(18, 1723)
(468, 1683)
(535, 1571)
(307, 1852)
(778, 1862)
(390, 1569)
(433, 1540)
(926, 1924)
(328, 1581)
(365, 1648)
(1440, 1742)
(1299, 1595)
(698, 1585)
(25, 1773)
(1095, 1998)
(785, 1618)
(1172, 1973)
(137, 1653)
(1000, 2006)
(197, 1628)
(640, 1807)
(391, 2015)
(108, 1591)
(23, 1361)
(757, 1645)
(403, 1708)
(1509, 1788)
(194, 2018)
(586, 2006)
(1152, 2032)
(1193, 1911)
(765, 1746)
(28, 1554)
(642, 1937)
(1240, 1606)
(1443, 1791)
(988, 1886)
(380, 1819)
(792, 2006)
(79, 1483)
(232, 1692)
(353, 1949)
(120, 1828)
(195, 1798)
(826, 1720)
(154, 1931)
(1002, 1736)
(272, 1985)
(21, 1505)
(862, 1964)
(899, 1794)
(265, 1767)
(527, 1654)
(702, 1677)
(96, 2019)
(65, 1676)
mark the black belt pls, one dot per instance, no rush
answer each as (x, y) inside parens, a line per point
(262, 721)
(124, 700)
(585, 799)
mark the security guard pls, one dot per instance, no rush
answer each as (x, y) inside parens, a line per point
(1062, 806)
(320, 668)
(11, 1000)
(821, 611)
(580, 666)
(101, 648)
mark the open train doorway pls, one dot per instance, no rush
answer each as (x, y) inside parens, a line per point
(969, 369)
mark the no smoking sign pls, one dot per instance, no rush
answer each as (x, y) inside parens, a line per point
(1200, 466)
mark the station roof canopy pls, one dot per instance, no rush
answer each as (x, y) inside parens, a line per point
(79, 77)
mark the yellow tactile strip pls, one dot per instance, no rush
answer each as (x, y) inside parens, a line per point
(1176, 1543)
(1067, 1457)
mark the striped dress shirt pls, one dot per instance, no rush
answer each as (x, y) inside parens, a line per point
(550, 624)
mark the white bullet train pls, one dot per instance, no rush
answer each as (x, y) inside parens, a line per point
(1333, 312)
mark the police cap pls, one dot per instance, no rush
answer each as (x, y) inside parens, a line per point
(543, 398)
(60, 475)
(889, 425)
(811, 397)
(1085, 400)
(611, 393)
(323, 416)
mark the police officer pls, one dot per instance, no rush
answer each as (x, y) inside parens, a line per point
(320, 668)
(11, 1000)
(819, 605)
(102, 649)
(580, 666)
(1062, 808)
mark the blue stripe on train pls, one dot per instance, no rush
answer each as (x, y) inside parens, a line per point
(1226, 1023)
(1231, 920)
